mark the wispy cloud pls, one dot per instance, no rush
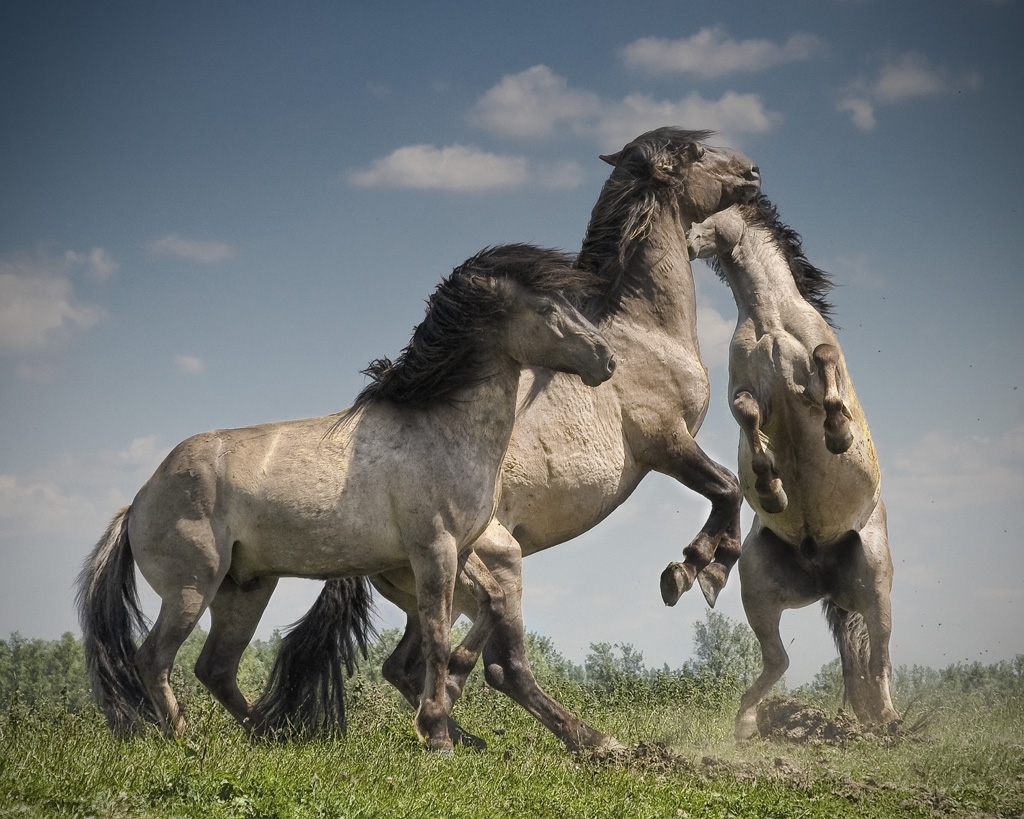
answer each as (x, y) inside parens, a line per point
(910, 76)
(189, 364)
(944, 472)
(193, 250)
(454, 168)
(75, 494)
(711, 53)
(100, 266)
(38, 304)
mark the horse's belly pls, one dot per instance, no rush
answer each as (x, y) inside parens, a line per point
(829, 495)
(564, 472)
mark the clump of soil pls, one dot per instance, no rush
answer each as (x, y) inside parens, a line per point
(789, 720)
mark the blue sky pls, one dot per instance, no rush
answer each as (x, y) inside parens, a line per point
(217, 214)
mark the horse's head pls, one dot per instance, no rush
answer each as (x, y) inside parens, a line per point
(543, 329)
(703, 179)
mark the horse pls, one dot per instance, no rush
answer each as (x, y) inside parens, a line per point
(405, 477)
(807, 464)
(576, 455)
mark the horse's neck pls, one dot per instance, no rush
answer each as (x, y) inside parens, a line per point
(481, 417)
(660, 293)
(761, 281)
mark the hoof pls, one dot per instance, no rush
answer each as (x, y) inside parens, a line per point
(466, 739)
(443, 751)
(838, 444)
(746, 727)
(711, 581)
(676, 580)
(774, 500)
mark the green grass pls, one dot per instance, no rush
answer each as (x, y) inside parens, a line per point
(54, 763)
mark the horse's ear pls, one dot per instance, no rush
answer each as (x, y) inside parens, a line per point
(611, 159)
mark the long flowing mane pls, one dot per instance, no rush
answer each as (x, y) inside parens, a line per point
(444, 354)
(813, 283)
(629, 202)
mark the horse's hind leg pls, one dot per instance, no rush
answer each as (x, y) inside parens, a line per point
(768, 485)
(838, 435)
(506, 666)
(179, 614)
(234, 615)
(770, 582)
(866, 581)
(490, 600)
(719, 539)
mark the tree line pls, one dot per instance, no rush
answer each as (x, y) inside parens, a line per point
(726, 659)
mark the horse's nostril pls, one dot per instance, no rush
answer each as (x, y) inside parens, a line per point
(754, 172)
(611, 365)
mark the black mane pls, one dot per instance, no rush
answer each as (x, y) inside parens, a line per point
(444, 353)
(813, 283)
(629, 201)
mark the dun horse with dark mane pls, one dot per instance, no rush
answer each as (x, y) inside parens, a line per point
(575, 454)
(807, 463)
(407, 477)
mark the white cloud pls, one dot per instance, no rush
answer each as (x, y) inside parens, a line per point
(944, 473)
(536, 101)
(454, 168)
(189, 364)
(710, 53)
(905, 78)
(193, 250)
(38, 305)
(532, 103)
(731, 114)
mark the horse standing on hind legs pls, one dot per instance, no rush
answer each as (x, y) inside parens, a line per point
(807, 463)
(408, 476)
(576, 455)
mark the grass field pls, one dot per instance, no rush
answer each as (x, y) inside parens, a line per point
(965, 762)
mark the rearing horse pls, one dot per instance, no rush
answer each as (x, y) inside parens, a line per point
(408, 476)
(807, 463)
(575, 454)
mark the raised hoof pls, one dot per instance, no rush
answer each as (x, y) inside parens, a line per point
(838, 444)
(711, 581)
(774, 500)
(676, 580)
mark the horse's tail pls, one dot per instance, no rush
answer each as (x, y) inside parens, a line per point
(305, 692)
(110, 617)
(850, 633)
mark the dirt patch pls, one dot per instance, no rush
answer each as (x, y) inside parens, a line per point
(789, 720)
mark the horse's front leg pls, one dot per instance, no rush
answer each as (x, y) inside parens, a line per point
(405, 669)
(838, 435)
(770, 493)
(719, 540)
(435, 567)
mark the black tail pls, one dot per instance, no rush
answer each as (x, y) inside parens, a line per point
(305, 693)
(111, 619)
(850, 634)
